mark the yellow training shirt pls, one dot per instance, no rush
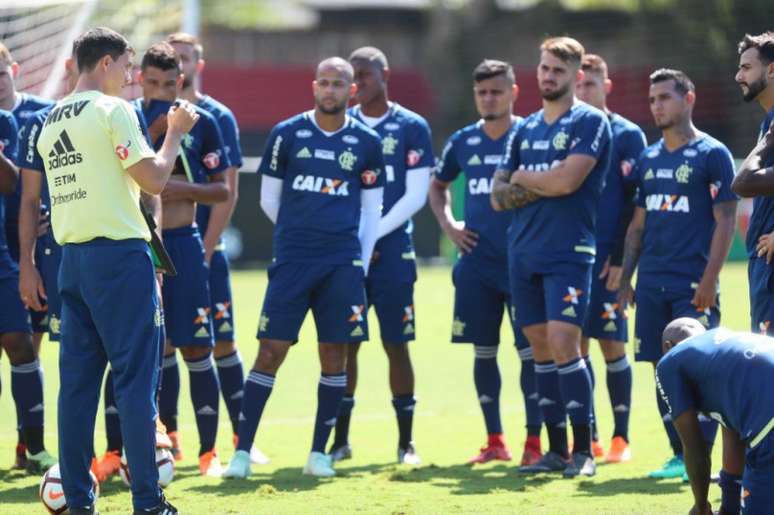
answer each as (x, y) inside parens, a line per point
(87, 143)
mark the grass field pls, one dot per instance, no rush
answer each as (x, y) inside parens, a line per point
(448, 430)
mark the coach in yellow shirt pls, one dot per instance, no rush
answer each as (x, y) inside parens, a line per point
(97, 164)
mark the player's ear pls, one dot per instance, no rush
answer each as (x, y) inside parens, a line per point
(352, 90)
(608, 86)
(690, 97)
(579, 75)
(770, 71)
(515, 92)
(140, 77)
(385, 74)
(14, 69)
(199, 66)
(179, 81)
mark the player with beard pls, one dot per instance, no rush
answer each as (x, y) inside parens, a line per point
(408, 158)
(755, 177)
(481, 295)
(212, 221)
(552, 175)
(684, 195)
(322, 186)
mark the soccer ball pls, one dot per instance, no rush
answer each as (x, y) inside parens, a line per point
(164, 461)
(51, 493)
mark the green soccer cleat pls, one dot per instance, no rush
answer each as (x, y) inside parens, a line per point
(319, 465)
(238, 467)
(674, 468)
(40, 462)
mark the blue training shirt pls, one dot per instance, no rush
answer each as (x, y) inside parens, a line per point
(559, 227)
(323, 175)
(203, 146)
(9, 144)
(229, 130)
(678, 191)
(725, 375)
(628, 143)
(472, 152)
(406, 146)
(762, 218)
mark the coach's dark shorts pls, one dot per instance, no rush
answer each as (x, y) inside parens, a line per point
(544, 289)
(187, 311)
(656, 307)
(334, 293)
(393, 301)
(604, 319)
(49, 257)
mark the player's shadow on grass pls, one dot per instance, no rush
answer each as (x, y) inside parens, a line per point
(630, 485)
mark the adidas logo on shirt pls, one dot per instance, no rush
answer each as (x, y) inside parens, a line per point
(474, 161)
(63, 154)
(304, 153)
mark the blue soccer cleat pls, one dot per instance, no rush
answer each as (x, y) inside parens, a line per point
(674, 468)
(238, 467)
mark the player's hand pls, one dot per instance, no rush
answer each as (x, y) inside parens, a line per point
(765, 246)
(515, 176)
(705, 294)
(157, 128)
(464, 239)
(176, 190)
(182, 117)
(614, 278)
(625, 295)
(31, 288)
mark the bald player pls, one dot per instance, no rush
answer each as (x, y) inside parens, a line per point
(728, 377)
(322, 186)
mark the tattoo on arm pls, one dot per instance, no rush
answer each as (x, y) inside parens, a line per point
(510, 196)
(632, 251)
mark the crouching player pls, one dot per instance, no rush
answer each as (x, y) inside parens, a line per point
(729, 377)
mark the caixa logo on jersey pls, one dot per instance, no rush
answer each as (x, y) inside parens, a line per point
(669, 203)
(322, 185)
(211, 160)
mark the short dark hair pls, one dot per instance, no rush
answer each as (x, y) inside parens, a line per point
(489, 68)
(594, 64)
(94, 44)
(185, 38)
(370, 54)
(161, 55)
(764, 43)
(565, 48)
(683, 84)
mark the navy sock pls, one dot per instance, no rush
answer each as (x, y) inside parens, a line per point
(257, 390)
(590, 368)
(529, 391)
(731, 492)
(554, 416)
(341, 436)
(486, 376)
(709, 428)
(619, 387)
(330, 390)
(232, 381)
(575, 385)
(666, 418)
(404, 412)
(27, 391)
(205, 397)
(169, 392)
(115, 441)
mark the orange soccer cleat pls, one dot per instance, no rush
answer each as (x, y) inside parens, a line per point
(596, 449)
(619, 451)
(209, 464)
(108, 464)
(491, 453)
(174, 448)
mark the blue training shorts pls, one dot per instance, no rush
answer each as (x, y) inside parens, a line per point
(604, 318)
(656, 307)
(479, 302)
(187, 312)
(548, 289)
(758, 478)
(220, 293)
(761, 284)
(14, 317)
(393, 302)
(334, 293)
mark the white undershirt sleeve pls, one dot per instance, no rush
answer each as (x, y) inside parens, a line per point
(417, 186)
(271, 193)
(370, 212)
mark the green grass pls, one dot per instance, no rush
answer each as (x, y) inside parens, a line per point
(449, 429)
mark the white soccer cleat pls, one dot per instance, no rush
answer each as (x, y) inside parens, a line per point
(257, 457)
(409, 455)
(238, 467)
(319, 465)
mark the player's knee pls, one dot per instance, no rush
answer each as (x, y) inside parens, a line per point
(564, 341)
(333, 357)
(18, 347)
(224, 349)
(270, 356)
(194, 353)
(397, 353)
(612, 349)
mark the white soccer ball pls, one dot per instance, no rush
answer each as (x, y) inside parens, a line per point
(51, 493)
(164, 461)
